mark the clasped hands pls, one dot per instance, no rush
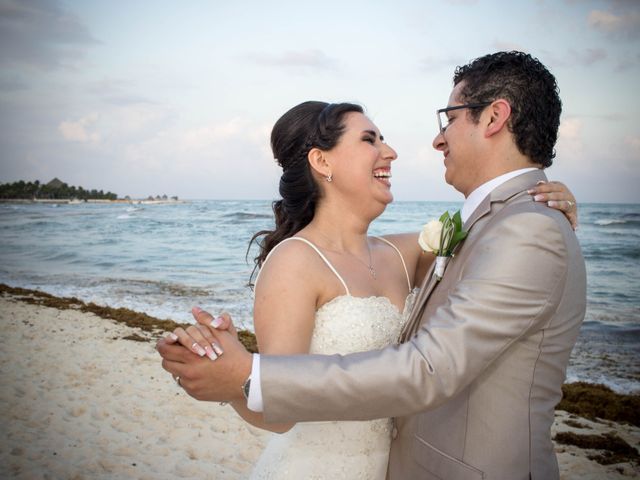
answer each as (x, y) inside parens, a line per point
(206, 359)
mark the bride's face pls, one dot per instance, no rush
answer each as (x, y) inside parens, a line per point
(361, 163)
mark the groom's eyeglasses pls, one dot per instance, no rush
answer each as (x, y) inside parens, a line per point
(443, 120)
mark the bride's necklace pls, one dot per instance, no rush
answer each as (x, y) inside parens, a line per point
(372, 270)
(369, 265)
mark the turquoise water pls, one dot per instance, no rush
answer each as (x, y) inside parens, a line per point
(163, 259)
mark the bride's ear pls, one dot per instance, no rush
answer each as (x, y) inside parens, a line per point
(318, 162)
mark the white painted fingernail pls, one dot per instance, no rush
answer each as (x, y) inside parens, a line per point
(217, 349)
(541, 182)
(552, 203)
(198, 349)
(216, 322)
(530, 191)
(538, 197)
(173, 336)
(211, 354)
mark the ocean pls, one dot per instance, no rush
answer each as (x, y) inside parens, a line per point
(164, 259)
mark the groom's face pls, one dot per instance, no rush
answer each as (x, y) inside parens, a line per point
(460, 144)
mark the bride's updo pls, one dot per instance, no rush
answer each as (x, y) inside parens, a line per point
(306, 126)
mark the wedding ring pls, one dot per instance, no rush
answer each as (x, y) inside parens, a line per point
(571, 204)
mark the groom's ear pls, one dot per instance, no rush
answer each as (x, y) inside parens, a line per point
(499, 113)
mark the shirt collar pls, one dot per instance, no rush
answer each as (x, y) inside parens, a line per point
(476, 197)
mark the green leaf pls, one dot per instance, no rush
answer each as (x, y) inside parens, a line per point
(444, 216)
(458, 237)
(457, 220)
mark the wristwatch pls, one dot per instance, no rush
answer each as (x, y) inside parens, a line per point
(246, 386)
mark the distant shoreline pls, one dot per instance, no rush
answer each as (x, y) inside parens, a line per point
(73, 201)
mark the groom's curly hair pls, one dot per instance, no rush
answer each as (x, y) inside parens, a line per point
(530, 89)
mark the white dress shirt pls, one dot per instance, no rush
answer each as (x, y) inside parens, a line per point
(255, 402)
(475, 198)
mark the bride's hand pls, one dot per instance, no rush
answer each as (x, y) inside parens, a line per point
(198, 338)
(221, 322)
(558, 196)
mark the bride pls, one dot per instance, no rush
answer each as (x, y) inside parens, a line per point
(324, 285)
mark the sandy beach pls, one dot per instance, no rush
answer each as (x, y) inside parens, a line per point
(81, 400)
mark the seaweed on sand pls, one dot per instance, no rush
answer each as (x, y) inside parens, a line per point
(147, 323)
(598, 401)
(613, 448)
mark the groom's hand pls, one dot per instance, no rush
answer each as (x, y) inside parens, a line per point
(202, 378)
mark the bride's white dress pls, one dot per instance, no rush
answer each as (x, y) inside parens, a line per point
(340, 450)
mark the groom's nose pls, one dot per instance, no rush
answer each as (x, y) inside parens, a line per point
(439, 142)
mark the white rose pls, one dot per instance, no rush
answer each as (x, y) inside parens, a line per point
(429, 238)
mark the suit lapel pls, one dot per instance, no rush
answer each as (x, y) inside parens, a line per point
(483, 209)
(501, 194)
(428, 284)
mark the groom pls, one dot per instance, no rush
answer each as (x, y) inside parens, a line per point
(474, 385)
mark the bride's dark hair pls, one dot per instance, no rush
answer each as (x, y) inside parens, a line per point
(306, 126)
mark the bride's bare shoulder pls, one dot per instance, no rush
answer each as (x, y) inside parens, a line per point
(407, 243)
(292, 259)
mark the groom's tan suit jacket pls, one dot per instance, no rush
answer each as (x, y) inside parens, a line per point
(474, 390)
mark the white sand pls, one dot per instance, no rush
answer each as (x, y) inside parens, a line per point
(573, 461)
(77, 401)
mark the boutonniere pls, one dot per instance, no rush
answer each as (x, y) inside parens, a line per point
(441, 237)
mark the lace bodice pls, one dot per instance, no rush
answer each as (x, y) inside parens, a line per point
(350, 324)
(340, 450)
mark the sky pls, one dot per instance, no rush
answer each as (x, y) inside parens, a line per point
(178, 98)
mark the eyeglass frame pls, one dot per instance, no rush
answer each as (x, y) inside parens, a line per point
(458, 107)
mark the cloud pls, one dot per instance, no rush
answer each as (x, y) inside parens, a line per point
(570, 140)
(624, 26)
(78, 131)
(589, 56)
(430, 64)
(575, 58)
(570, 128)
(226, 159)
(41, 34)
(612, 117)
(627, 63)
(209, 135)
(134, 122)
(117, 92)
(503, 46)
(633, 142)
(13, 84)
(311, 59)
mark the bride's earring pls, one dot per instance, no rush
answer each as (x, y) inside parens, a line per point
(329, 178)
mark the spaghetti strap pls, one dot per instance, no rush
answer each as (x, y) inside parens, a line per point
(326, 260)
(406, 272)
